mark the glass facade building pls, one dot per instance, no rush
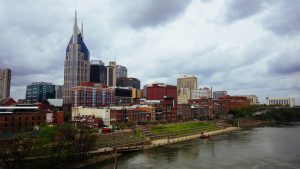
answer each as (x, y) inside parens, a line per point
(39, 91)
(97, 72)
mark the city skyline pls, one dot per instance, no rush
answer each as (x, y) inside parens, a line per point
(241, 47)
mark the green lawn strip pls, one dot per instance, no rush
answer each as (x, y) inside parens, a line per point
(182, 129)
(164, 129)
(111, 140)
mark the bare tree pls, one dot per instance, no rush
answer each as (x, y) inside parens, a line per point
(84, 141)
(14, 150)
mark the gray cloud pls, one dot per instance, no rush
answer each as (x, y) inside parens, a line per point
(280, 17)
(287, 62)
(145, 13)
(158, 12)
(158, 41)
(284, 18)
(240, 9)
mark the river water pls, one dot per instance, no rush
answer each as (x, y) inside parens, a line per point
(256, 148)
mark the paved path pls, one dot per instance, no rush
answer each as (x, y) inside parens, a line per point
(161, 142)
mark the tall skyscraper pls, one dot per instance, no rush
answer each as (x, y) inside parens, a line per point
(5, 78)
(39, 91)
(97, 72)
(58, 91)
(111, 76)
(185, 85)
(77, 63)
(121, 71)
(189, 82)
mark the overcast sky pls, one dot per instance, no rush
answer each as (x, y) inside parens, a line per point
(242, 46)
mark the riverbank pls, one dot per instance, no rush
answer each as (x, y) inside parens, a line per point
(162, 142)
(252, 122)
(153, 144)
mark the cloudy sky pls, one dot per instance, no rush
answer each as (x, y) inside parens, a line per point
(245, 47)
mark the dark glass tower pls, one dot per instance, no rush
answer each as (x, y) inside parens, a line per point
(97, 72)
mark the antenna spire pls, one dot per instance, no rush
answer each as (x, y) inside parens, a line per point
(82, 30)
(75, 29)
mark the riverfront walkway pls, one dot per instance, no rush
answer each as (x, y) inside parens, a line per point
(161, 142)
(166, 141)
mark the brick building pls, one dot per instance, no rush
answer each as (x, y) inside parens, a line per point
(226, 103)
(94, 95)
(7, 102)
(184, 112)
(202, 108)
(159, 91)
(26, 117)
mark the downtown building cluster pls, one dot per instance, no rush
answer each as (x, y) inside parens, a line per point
(102, 94)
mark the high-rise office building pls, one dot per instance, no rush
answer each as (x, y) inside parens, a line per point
(97, 72)
(77, 63)
(58, 91)
(111, 74)
(185, 86)
(189, 82)
(39, 91)
(5, 78)
(121, 71)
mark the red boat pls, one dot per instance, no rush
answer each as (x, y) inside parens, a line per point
(203, 135)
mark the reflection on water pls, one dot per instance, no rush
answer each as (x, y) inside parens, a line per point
(258, 148)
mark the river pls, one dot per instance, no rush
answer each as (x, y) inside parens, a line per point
(256, 148)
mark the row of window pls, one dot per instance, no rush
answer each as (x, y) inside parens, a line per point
(26, 118)
(20, 124)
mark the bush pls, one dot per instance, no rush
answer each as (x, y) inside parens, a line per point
(283, 114)
(244, 111)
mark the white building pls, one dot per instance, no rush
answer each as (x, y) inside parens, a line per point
(288, 101)
(253, 99)
(103, 113)
(205, 92)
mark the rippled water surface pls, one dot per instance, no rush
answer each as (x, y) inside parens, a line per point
(258, 148)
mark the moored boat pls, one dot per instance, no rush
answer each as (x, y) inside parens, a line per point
(204, 135)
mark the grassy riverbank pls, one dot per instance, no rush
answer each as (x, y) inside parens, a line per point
(182, 127)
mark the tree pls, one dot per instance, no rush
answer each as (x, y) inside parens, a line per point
(14, 150)
(84, 141)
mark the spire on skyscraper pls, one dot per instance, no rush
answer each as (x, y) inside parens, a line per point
(82, 30)
(75, 29)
